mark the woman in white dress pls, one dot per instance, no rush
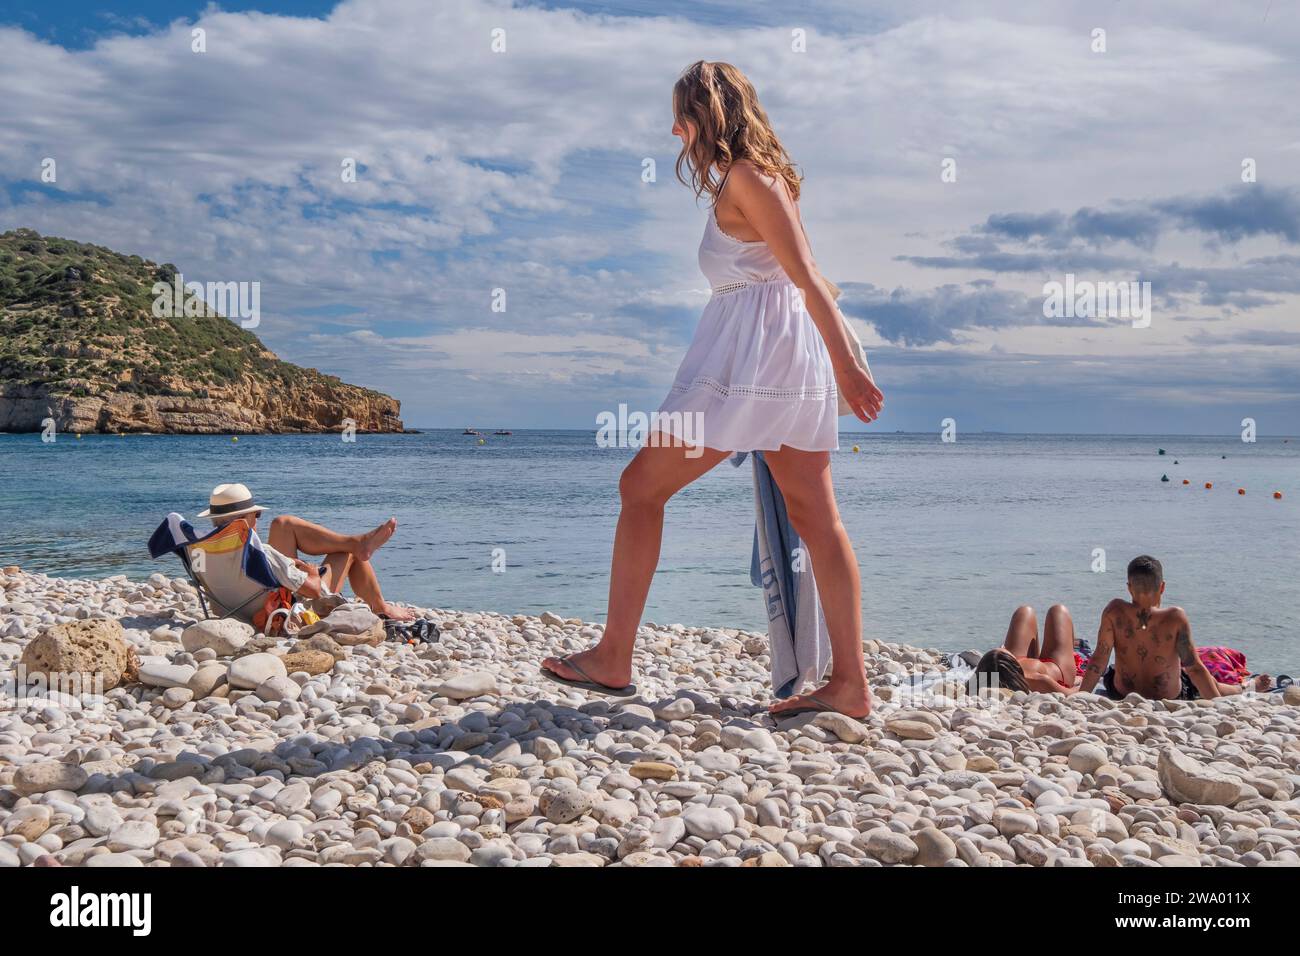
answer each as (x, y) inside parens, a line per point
(768, 363)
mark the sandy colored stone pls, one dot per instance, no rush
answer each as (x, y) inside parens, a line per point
(418, 819)
(311, 662)
(910, 729)
(321, 642)
(652, 770)
(91, 649)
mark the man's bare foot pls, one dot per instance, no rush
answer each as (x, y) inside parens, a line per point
(395, 613)
(850, 700)
(372, 542)
(597, 668)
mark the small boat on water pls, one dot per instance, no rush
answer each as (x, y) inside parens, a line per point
(502, 431)
(470, 431)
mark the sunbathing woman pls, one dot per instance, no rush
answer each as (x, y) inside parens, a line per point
(1021, 664)
(1057, 667)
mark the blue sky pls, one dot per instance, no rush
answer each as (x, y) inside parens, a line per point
(522, 171)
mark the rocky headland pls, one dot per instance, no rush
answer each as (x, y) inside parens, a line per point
(81, 346)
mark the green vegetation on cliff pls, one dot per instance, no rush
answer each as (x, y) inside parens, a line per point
(76, 320)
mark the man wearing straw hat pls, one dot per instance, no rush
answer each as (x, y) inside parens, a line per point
(347, 556)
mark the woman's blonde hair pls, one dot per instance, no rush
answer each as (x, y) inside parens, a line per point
(719, 102)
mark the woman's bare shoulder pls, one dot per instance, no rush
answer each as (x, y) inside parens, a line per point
(750, 176)
(753, 187)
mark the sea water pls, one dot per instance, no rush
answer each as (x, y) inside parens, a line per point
(950, 537)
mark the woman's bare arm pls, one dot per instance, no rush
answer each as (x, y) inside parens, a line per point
(1101, 654)
(766, 205)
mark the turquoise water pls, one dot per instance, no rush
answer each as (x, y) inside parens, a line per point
(950, 537)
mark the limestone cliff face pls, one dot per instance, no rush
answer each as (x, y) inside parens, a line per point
(79, 344)
(244, 411)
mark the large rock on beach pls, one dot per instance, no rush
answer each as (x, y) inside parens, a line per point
(308, 662)
(247, 673)
(465, 686)
(1184, 780)
(844, 727)
(95, 650)
(225, 637)
(34, 778)
(158, 672)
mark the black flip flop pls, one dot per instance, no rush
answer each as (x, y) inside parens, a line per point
(594, 687)
(818, 706)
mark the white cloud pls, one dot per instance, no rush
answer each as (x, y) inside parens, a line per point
(522, 170)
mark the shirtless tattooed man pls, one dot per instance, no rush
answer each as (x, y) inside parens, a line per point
(1154, 653)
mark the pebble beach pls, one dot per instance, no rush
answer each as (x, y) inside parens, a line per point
(211, 746)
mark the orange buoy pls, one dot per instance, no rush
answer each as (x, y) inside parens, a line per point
(1241, 491)
(1277, 494)
(1186, 482)
(1209, 484)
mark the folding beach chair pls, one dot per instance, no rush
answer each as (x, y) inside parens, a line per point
(227, 566)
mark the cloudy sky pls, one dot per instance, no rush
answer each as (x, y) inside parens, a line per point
(522, 170)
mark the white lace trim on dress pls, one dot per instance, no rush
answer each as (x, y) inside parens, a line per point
(745, 284)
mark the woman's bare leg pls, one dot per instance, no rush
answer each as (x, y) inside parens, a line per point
(652, 477)
(805, 481)
(1263, 682)
(1058, 640)
(290, 534)
(1022, 633)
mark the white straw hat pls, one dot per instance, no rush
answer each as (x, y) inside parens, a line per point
(226, 501)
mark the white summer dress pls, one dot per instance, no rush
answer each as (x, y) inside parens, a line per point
(757, 375)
